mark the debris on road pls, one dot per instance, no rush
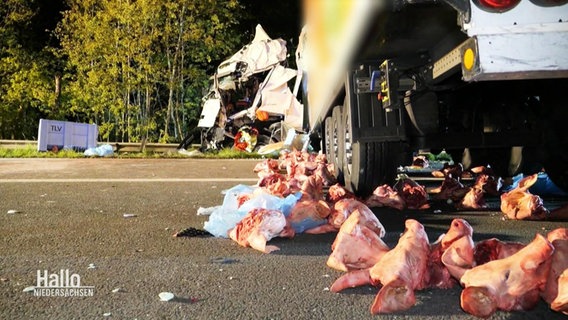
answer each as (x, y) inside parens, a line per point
(12, 211)
(166, 296)
(260, 226)
(290, 198)
(520, 204)
(129, 215)
(223, 260)
(192, 232)
(29, 289)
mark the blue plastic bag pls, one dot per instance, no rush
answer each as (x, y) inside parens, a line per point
(542, 187)
(307, 224)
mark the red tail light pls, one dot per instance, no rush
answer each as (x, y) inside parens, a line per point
(549, 3)
(498, 5)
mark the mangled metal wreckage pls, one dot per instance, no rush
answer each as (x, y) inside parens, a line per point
(250, 103)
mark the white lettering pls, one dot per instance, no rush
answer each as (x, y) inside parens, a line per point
(64, 292)
(62, 284)
(41, 278)
(53, 280)
(75, 280)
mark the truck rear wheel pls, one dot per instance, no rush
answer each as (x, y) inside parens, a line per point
(372, 164)
(328, 133)
(367, 165)
(337, 145)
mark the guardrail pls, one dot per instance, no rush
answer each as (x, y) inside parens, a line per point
(117, 146)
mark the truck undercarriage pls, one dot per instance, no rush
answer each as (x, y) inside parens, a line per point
(407, 90)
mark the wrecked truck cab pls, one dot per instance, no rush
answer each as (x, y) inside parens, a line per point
(249, 101)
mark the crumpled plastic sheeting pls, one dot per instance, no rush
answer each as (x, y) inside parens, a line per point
(226, 216)
(104, 150)
(307, 224)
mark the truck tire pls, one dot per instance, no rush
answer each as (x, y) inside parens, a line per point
(337, 143)
(367, 165)
(373, 164)
(327, 134)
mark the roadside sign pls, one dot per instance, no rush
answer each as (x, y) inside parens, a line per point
(66, 135)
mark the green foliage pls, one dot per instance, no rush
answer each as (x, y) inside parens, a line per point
(30, 151)
(135, 66)
(26, 77)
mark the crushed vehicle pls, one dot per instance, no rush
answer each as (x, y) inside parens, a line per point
(484, 80)
(249, 103)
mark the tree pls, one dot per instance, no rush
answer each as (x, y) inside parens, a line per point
(27, 71)
(133, 64)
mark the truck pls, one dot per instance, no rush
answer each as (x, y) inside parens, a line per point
(249, 103)
(484, 80)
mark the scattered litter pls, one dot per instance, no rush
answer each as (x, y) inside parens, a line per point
(115, 290)
(192, 232)
(206, 211)
(326, 276)
(4, 279)
(230, 278)
(12, 211)
(193, 153)
(129, 215)
(272, 148)
(437, 211)
(91, 266)
(104, 150)
(29, 289)
(166, 296)
(107, 314)
(223, 260)
(326, 289)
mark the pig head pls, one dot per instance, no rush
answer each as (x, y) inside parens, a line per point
(358, 244)
(451, 255)
(559, 264)
(512, 283)
(520, 204)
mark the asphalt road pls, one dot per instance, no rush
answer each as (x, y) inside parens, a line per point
(70, 215)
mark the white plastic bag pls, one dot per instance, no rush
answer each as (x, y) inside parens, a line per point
(226, 217)
(101, 151)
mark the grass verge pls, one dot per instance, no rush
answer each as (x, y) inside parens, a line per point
(30, 151)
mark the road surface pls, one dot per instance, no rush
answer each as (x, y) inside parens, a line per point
(71, 217)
